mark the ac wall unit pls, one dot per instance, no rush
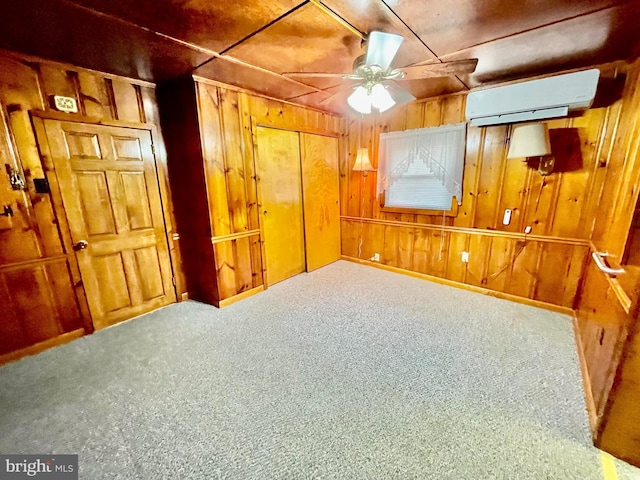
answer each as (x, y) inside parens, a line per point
(533, 100)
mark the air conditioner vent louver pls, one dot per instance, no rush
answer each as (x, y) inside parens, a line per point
(533, 100)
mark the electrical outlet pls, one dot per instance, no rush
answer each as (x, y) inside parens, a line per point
(465, 257)
(375, 258)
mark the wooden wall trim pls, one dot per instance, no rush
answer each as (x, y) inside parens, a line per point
(622, 297)
(240, 296)
(464, 286)
(65, 117)
(37, 261)
(56, 64)
(234, 236)
(41, 346)
(592, 411)
(226, 86)
(472, 231)
(285, 124)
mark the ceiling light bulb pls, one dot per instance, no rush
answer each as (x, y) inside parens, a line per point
(360, 100)
(381, 98)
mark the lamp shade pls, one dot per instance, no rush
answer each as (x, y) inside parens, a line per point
(360, 100)
(529, 140)
(362, 163)
(364, 98)
(380, 98)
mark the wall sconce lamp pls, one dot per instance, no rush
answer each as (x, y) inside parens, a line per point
(362, 163)
(532, 140)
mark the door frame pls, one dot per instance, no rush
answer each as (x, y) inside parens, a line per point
(38, 118)
(280, 124)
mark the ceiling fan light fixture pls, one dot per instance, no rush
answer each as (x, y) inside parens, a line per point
(360, 100)
(380, 98)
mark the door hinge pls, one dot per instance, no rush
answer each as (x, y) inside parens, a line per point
(173, 281)
(153, 149)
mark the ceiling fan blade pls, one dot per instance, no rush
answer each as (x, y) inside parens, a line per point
(455, 67)
(338, 93)
(313, 74)
(399, 94)
(381, 48)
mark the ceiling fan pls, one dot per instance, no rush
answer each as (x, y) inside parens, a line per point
(377, 88)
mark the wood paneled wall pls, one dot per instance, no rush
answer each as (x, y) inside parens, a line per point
(209, 130)
(545, 265)
(607, 327)
(226, 118)
(42, 298)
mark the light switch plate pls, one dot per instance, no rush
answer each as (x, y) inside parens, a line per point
(506, 220)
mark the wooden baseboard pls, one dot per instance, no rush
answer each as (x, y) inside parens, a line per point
(240, 296)
(592, 411)
(472, 288)
(41, 346)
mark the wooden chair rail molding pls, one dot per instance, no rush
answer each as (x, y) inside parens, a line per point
(38, 261)
(540, 268)
(234, 236)
(472, 231)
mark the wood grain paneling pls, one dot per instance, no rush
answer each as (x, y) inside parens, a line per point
(280, 190)
(38, 303)
(210, 132)
(94, 179)
(36, 259)
(556, 207)
(320, 185)
(607, 323)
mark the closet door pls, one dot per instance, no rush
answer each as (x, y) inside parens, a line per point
(279, 184)
(320, 179)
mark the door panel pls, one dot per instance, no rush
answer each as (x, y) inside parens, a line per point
(110, 194)
(38, 304)
(278, 168)
(97, 210)
(320, 185)
(138, 212)
(146, 259)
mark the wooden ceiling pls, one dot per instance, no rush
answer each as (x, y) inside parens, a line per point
(250, 43)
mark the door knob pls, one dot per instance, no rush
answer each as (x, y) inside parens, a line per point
(81, 245)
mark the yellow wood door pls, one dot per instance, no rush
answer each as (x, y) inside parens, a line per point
(320, 189)
(279, 183)
(109, 189)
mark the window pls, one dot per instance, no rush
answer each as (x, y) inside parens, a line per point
(422, 168)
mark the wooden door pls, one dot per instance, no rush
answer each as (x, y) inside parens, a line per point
(320, 186)
(110, 193)
(278, 167)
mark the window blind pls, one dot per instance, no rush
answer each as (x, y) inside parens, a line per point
(422, 168)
